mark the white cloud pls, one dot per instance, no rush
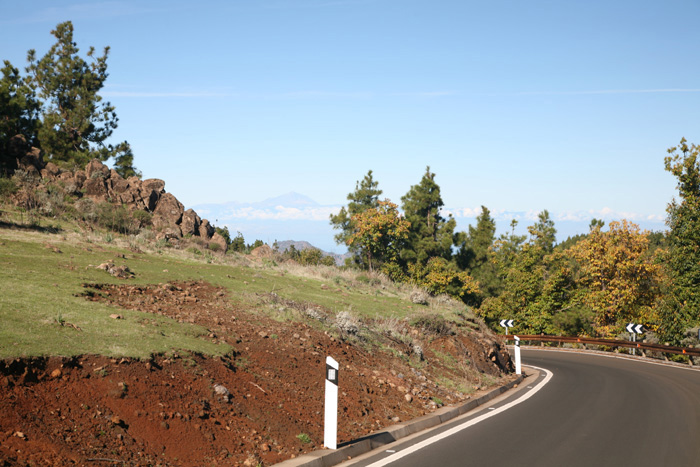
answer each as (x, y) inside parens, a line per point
(604, 213)
(280, 213)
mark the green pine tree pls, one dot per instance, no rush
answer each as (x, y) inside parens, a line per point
(19, 115)
(681, 309)
(76, 123)
(474, 254)
(430, 234)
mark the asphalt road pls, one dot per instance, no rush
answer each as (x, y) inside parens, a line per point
(593, 411)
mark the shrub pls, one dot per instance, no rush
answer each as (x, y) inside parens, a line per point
(87, 210)
(51, 202)
(347, 323)
(142, 218)
(7, 188)
(433, 324)
(112, 217)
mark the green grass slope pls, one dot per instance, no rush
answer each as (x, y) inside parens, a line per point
(43, 312)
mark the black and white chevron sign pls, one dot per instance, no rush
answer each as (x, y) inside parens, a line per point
(507, 323)
(635, 328)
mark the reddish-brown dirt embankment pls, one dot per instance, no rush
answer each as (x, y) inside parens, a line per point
(248, 408)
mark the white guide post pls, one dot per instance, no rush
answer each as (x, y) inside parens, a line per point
(518, 366)
(330, 423)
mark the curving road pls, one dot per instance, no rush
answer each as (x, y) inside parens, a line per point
(593, 411)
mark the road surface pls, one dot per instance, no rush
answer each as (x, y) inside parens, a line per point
(592, 410)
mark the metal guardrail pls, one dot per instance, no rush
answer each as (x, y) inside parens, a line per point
(690, 351)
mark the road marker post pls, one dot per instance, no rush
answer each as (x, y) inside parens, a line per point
(518, 365)
(330, 422)
(634, 329)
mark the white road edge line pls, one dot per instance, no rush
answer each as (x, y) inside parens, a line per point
(458, 428)
(617, 356)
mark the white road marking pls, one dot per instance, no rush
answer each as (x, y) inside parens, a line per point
(472, 422)
(618, 356)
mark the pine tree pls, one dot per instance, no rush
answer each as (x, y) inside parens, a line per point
(535, 283)
(474, 254)
(75, 122)
(19, 115)
(430, 234)
(681, 308)
(543, 233)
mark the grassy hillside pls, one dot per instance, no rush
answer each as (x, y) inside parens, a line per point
(44, 311)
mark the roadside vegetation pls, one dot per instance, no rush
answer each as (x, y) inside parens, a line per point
(48, 262)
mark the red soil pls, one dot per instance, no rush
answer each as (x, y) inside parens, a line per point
(93, 410)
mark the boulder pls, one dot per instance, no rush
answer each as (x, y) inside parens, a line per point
(69, 182)
(51, 171)
(96, 188)
(206, 230)
(151, 191)
(80, 178)
(95, 168)
(263, 251)
(168, 212)
(67, 177)
(31, 162)
(190, 223)
(129, 192)
(217, 239)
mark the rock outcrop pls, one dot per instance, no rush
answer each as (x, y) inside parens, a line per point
(170, 220)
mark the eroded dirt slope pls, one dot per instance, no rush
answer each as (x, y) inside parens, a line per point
(260, 405)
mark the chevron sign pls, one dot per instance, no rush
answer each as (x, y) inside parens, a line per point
(507, 323)
(635, 328)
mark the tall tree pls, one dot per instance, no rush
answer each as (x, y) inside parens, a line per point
(19, 115)
(681, 309)
(473, 245)
(365, 196)
(76, 123)
(543, 233)
(430, 234)
(474, 254)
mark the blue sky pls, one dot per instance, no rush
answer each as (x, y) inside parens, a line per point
(518, 106)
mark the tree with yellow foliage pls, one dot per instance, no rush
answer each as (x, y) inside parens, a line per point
(619, 280)
(378, 232)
